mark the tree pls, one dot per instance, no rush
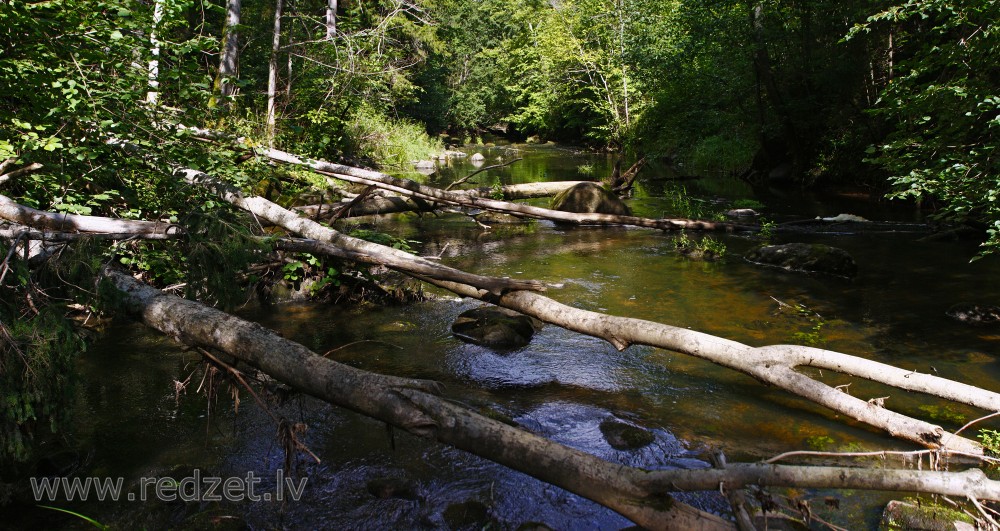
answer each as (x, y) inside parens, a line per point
(943, 108)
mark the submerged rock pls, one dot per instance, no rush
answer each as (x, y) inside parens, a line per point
(590, 198)
(624, 436)
(806, 258)
(384, 488)
(974, 314)
(493, 327)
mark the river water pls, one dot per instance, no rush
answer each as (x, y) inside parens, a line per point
(131, 423)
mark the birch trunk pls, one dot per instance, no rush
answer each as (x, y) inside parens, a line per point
(154, 62)
(272, 73)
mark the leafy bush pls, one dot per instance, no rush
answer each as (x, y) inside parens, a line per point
(386, 142)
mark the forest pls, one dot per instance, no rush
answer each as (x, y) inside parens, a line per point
(169, 160)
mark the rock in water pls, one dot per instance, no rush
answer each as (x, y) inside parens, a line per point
(624, 436)
(493, 327)
(806, 258)
(477, 157)
(974, 314)
(590, 198)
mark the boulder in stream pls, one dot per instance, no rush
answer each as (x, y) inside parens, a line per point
(477, 157)
(806, 258)
(624, 436)
(590, 198)
(494, 327)
(974, 314)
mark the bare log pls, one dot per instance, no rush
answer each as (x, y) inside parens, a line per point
(410, 405)
(419, 268)
(770, 365)
(27, 233)
(293, 222)
(38, 219)
(378, 205)
(638, 494)
(413, 189)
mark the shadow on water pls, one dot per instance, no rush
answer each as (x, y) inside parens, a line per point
(562, 385)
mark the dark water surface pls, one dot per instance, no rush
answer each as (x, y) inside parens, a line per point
(562, 385)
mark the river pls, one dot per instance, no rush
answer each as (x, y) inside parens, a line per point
(130, 422)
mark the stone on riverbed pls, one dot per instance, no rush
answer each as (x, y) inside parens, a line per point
(806, 258)
(590, 198)
(624, 436)
(494, 327)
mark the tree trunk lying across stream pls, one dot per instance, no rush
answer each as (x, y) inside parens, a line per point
(378, 205)
(414, 405)
(770, 365)
(413, 189)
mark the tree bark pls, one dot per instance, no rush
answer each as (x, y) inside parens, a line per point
(413, 405)
(331, 19)
(772, 365)
(38, 219)
(154, 51)
(379, 205)
(230, 51)
(272, 73)
(293, 222)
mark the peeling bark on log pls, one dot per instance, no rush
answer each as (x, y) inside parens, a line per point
(413, 189)
(38, 219)
(374, 206)
(638, 494)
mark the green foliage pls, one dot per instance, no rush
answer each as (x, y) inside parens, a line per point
(309, 266)
(703, 248)
(682, 205)
(943, 105)
(382, 238)
(385, 142)
(812, 336)
(991, 442)
(766, 232)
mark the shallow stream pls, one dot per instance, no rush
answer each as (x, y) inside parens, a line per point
(563, 384)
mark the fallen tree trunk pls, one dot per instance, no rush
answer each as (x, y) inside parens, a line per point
(15, 230)
(291, 221)
(395, 401)
(38, 219)
(413, 189)
(773, 366)
(372, 253)
(638, 494)
(379, 205)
